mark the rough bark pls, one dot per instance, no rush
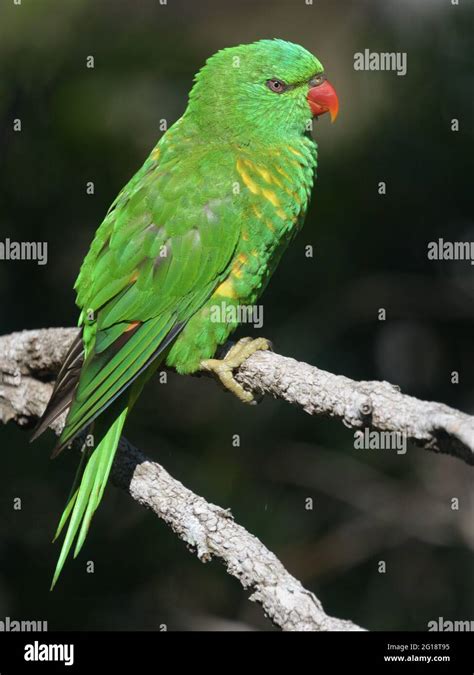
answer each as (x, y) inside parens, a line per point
(211, 531)
(379, 406)
(29, 361)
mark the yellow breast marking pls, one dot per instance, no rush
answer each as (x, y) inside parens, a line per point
(271, 196)
(295, 152)
(226, 289)
(252, 186)
(283, 173)
(257, 211)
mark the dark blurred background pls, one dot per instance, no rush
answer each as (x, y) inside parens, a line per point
(370, 252)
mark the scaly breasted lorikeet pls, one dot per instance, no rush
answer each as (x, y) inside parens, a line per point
(206, 219)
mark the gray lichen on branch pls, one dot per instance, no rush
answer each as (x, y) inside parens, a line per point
(376, 405)
(212, 532)
(36, 355)
(29, 361)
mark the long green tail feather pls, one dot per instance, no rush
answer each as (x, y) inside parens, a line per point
(102, 475)
(87, 497)
(73, 494)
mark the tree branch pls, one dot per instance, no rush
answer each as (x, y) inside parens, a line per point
(30, 360)
(28, 363)
(379, 406)
(212, 532)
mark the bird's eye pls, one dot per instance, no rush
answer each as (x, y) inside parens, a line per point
(276, 85)
(317, 80)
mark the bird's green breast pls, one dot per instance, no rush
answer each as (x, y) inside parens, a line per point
(269, 193)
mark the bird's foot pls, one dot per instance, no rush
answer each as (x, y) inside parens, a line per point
(235, 357)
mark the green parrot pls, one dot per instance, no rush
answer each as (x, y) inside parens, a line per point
(204, 221)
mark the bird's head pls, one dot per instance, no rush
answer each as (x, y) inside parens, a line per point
(270, 87)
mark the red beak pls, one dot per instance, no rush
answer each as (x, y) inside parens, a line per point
(322, 99)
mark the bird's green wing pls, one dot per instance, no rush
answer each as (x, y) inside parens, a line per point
(163, 247)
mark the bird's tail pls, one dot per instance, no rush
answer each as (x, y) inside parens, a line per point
(91, 479)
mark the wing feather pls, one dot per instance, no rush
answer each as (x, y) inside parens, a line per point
(166, 243)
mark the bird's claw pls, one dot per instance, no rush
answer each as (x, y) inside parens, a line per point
(235, 357)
